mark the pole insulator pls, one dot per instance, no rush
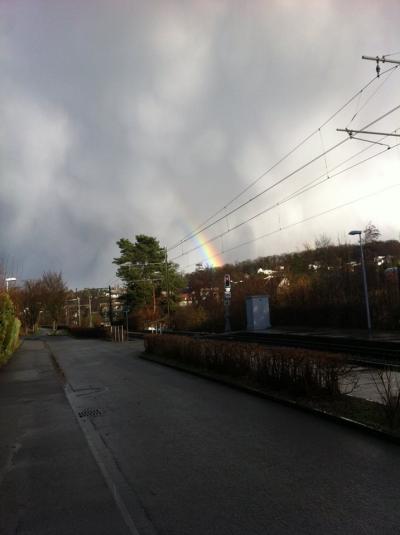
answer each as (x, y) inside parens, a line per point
(378, 68)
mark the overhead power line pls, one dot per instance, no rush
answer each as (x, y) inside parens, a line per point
(360, 108)
(311, 185)
(392, 54)
(201, 227)
(306, 219)
(283, 179)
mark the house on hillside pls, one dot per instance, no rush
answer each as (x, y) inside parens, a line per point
(269, 273)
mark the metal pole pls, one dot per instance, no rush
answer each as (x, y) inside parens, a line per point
(79, 311)
(382, 59)
(351, 132)
(365, 287)
(167, 281)
(90, 311)
(110, 310)
(227, 316)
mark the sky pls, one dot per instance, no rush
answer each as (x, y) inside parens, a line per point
(120, 118)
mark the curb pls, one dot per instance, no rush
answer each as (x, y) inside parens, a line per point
(340, 420)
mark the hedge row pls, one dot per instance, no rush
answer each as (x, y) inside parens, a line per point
(9, 329)
(302, 371)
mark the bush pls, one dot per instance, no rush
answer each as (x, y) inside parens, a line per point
(9, 329)
(387, 384)
(302, 371)
(190, 318)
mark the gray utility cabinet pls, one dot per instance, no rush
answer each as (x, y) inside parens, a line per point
(257, 313)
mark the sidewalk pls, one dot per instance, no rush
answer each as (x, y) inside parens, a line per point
(49, 480)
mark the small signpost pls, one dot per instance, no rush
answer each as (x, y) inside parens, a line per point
(227, 301)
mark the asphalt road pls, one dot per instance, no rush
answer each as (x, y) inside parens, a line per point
(200, 458)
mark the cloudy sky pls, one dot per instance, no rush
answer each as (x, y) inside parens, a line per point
(127, 117)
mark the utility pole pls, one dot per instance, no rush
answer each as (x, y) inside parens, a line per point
(127, 315)
(227, 302)
(90, 311)
(110, 309)
(167, 283)
(79, 311)
(364, 272)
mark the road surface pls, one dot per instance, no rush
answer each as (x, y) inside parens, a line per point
(185, 456)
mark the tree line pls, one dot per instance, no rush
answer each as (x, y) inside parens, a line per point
(320, 285)
(41, 301)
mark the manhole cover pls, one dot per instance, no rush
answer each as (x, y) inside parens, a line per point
(90, 412)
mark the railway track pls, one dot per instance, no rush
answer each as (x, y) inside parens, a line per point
(362, 352)
(371, 353)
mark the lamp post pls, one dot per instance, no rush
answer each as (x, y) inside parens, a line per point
(9, 279)
(358, 233)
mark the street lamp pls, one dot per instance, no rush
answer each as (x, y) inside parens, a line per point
(9, 279)
(358, 233)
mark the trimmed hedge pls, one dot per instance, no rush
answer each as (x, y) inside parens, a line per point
(9, 329)
(304, 372)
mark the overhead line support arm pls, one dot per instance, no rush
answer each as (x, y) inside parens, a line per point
(378, 59)
(351, 132)
(382, 59)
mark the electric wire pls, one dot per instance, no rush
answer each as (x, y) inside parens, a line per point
(269, 188)
(283, 179)
(392, 54)
(371, 96)
(314, 216)
(311, 185)
(200, 228)
(381, 117)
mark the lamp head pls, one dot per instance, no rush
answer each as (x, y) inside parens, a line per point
(355, 233)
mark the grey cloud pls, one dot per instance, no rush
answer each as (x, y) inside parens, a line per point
(128, 118)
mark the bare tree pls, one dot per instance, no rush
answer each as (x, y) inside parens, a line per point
(371, 233)
(31, 303)
(323, 241)
(387, 384)
(54, 295)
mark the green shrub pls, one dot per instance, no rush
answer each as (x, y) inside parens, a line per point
(302, 371)
(9, 328)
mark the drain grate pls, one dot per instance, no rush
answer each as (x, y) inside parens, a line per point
(90, 412)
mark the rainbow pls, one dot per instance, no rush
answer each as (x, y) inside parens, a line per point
(207, 253)
(210, 254)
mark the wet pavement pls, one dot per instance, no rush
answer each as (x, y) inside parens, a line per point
(189, 456)
(49, 481)
(134, 447)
